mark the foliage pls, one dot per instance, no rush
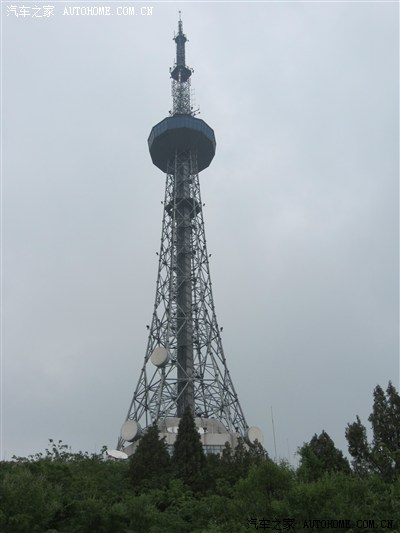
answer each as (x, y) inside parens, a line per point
(149, 465)
(358, 446)
(188, 459)
(58, 491)
(320, 456)
(226, 470)
(94, 495)
(382, 455)
(264, 487)
(29, 501)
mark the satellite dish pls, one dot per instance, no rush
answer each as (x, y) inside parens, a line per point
(131, 430)
(254, 433)
(160, 356)
(117, 454)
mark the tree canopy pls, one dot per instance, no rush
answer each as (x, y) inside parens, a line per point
(320, 456)
(382, 455)
(188, 459)
(60, 491)
(150, 464)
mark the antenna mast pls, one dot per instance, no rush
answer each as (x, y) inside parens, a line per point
(180, 75)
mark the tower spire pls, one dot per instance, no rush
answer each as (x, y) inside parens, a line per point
(180, 74)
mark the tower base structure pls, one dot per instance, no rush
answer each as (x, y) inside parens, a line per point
(213, 435)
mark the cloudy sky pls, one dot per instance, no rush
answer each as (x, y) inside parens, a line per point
(301, 210)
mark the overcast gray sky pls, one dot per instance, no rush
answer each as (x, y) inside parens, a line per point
(301, 210)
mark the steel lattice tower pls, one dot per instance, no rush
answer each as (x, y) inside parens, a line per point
(184, 363)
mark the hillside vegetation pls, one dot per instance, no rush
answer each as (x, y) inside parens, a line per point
(242, 490)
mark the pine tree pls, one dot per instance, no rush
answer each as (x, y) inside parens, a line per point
(358, 447)
(383, 454)
(188, 459)
(320, 456)
(150, 464)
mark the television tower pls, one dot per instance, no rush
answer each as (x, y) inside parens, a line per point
(184, 365)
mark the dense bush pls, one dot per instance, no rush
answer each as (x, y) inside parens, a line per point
(76, 493)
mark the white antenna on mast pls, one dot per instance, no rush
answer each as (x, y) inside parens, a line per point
(273, 432)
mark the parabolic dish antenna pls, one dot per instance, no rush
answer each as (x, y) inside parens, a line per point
(160, 356)
(117, 454)
(255, 434)
(131, 430)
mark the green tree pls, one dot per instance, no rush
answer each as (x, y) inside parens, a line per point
(188, 459)
(224, 470)
(319, 457)
(382, 455)
(358, 447)
(150, 464)
(29, 501)
(385, 421)
(264, 490)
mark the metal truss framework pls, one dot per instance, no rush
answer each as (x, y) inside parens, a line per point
(181, 98)
(183, 269)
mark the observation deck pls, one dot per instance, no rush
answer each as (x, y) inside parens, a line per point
(182, 133)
